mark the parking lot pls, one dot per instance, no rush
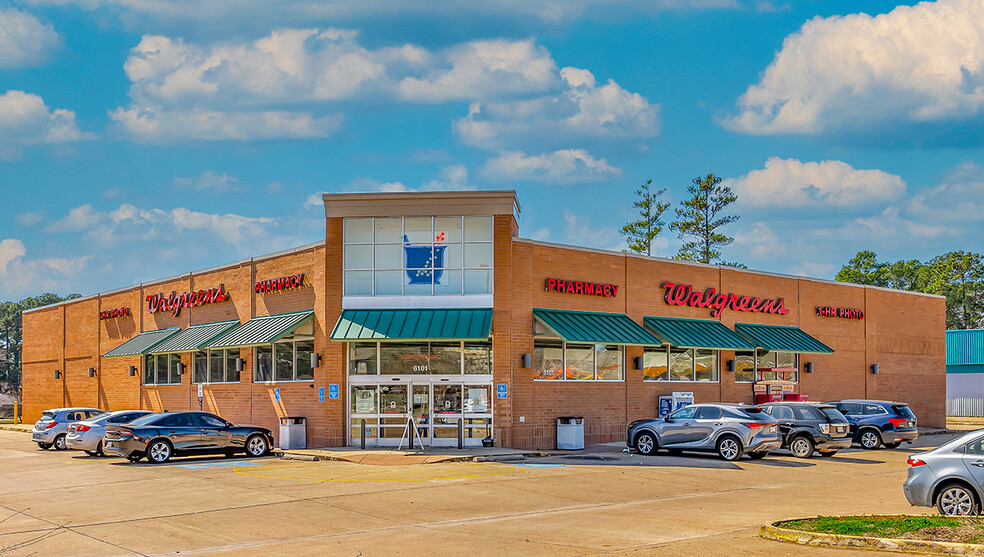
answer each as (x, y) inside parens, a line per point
(599, 502)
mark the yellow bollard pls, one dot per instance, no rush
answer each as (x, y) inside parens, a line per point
(16, 415)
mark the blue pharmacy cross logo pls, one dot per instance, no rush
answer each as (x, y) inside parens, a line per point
(424, 262)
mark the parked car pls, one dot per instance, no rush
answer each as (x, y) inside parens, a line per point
(162, 436)
(808, 426)
(949, 477)
(52, 428)
(87, 435)
(878, 422)
(728, 429)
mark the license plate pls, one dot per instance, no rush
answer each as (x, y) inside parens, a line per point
(772, 429)
(109, 444)
(912, 423)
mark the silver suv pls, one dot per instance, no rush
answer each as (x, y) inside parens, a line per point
(52, 428)
(728, 429)
(87, 435)
(949, 477)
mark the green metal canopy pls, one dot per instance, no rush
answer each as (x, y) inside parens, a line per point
(142, 343)
(413, 324)
(594, 327)
(696, 333)
(261, 330)
(193, 338)
(782, 339)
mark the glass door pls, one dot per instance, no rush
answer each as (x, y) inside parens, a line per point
(421, 411)
(446, 404)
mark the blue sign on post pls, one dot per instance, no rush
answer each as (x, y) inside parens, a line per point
(321, 394)
(333, 390)
(502, 390)
(276, 394)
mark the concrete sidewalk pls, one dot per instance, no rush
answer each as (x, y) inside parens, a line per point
(390, 457)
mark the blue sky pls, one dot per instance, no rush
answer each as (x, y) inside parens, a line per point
(144, 139)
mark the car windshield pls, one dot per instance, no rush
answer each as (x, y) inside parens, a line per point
(145, 420)
(834, 415)
(904, 411)
(959, 441)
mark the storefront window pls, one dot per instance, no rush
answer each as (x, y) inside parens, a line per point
(705, 365)
(681, 365)
(363, 399)
(447, 399)
(676, 364)
(231, 355)
(445, 358)
(402, 358)
(418, 256)
(304, 371)
(201, 367)
(744, 367)
(609, 362)
(264, 364)
(478, 358)
(582, 362)
(149, 371)
(362, 358)
(216, 366)
(548, 359)
(416, 358)
(284, 361)
(782, 366)
(655, 364)
(393, 399)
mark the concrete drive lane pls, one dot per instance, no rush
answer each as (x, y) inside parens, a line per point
(602, 503)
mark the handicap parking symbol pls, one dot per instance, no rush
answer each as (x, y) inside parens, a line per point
(333, 390)
(502, 390)
(321, 394)
(276, 395)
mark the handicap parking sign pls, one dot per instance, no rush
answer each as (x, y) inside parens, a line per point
(333, 390)
(276, 394)
(321, 394)
(502, 390)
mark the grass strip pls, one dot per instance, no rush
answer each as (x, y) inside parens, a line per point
(940, 528)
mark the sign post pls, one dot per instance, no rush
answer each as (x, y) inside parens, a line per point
(201, 391)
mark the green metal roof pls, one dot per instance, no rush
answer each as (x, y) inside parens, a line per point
(261, 330)
(594, 327)
(964, 347)
(696, 333)
(783, 339)
(413, 324)
(193, 338)
(142, 343)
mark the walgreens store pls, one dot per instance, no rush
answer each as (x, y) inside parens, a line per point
(431, 307)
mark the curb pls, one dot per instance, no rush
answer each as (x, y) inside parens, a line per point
(775, 531)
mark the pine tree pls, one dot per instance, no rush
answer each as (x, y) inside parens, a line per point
(700, 217)
(641, 233)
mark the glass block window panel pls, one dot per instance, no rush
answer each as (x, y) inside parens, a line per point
(478, 282)
(358, 283)
(358, 256)
(388, 231)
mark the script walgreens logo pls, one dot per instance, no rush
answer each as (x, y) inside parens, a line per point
(174, 302)
(686, 295)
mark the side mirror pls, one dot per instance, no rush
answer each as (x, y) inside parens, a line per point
(668, 419)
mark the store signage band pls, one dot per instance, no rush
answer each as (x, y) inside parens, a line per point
(174, 302)
(581, 287)
(843, 313)
(278, 284)
(115, 313)
(687, 295)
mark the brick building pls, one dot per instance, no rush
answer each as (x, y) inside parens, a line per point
(430, 305)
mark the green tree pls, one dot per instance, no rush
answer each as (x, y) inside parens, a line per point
(959, 276)
(11, 336)
(700, 218)
(863, 268)
(640, 233)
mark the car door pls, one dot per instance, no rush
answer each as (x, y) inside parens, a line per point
(215, 432)
(183, 431)
(675, 428)
(784, 415)
(706, 422)
(973, 458)
(851, 411)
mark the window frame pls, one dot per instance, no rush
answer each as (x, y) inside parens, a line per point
(668, 351)
(208, 354)
(594, 361)
(273, 348)
(756, 363)
(379, 360)
(167, 358)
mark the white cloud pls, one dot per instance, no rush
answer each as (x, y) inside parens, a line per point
(915, 64)
(567, 166)
(80, 218)
(892, 226)
(791, 183)
(30, 219)
(20, 276)
(583, 110)
(580, 231)
(452, 178)
(26, 120)
(24, 41)
(212, 181)
(760, 242)
(956, 201)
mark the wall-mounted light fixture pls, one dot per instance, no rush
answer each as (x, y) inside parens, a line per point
(639, 363)
(527, 360)
(874, 369)
(315, 359)
(809, 367)
(92, 372)
(57, 374)
(239, 364)
(181, 368)
(731, 366)
(131, 370)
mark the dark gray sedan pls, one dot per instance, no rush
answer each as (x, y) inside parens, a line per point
(728, 429)
(949, 477)
(161, 436)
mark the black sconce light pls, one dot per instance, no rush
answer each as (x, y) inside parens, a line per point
(92, 372)
(874, 369)
(57, 374)
(527, 360)
(731, 366)
(239, 364)
(639, 364)
(315, 359)
(131, 370)
(809, 367)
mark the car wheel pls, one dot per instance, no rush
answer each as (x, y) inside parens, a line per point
(257, 446)
(729, 448)
(99, 449)
(92, 453)
(645, 443)
(870, 439)
(894, 445)
(801, 447)
(44, 446)
(60, 444)
(159, 451)
(827, 453)
(758, 456)
(956, 500)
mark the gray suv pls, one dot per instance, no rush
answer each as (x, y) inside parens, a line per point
(51, 429)
(949, 477)
(87, 435)
(728, 429)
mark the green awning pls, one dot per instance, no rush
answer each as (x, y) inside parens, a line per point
(696, 333)
(262, 330)
(193, 338)
(142, 343)
(594, 327)
(782, 339)
(413, 324)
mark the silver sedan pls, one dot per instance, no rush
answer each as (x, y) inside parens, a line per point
(949, 477)
(87, 435)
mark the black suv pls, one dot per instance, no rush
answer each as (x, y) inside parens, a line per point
(877, 422)
(806, 426)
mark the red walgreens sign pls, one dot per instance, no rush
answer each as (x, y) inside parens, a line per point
(174, 302)
(581, 287)
(844, 313)
(114, 313)
(686, 295)
(278, 284)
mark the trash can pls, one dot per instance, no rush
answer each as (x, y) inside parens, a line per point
(293, 432)
(570, 432)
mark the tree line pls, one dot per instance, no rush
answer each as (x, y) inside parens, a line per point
(11, 340)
